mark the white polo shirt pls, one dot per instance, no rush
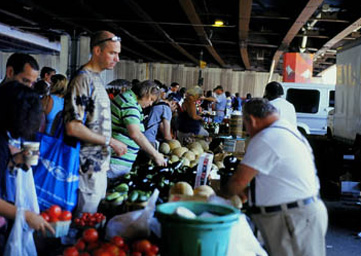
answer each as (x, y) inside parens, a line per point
(285, 164)
(286, 110)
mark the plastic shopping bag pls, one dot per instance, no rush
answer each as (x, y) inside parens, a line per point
(242, 240)
(21, 241)
(57, 173)
(133, 224)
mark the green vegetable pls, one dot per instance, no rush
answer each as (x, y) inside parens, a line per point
(143, 197)
(133, 196)
(122, 188)
(118, 201)
(113, 196)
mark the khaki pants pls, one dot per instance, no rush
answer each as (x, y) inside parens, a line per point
(92, 189)
(295, 232)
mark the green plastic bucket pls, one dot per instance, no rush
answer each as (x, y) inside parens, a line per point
(199, 236)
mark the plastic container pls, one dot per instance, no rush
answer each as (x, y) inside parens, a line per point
(61, 228)
(199, 236)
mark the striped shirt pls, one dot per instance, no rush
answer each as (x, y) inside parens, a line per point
(125, 110)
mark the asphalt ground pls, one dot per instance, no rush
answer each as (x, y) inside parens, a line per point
(342, 237)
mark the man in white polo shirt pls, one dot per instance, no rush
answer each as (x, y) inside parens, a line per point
(286, 110)
(284, 189)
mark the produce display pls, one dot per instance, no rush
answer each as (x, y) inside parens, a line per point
(90, 220)
(143, 179)
(132, 191)
(90, 243)
(60, 220)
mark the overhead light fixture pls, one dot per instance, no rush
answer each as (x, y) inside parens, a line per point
(218, 23)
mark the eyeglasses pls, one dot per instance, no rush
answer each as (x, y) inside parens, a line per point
(113, 39)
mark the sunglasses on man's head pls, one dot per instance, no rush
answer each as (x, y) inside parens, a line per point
(113, 39)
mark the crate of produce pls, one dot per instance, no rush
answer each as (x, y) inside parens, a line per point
(61, 228)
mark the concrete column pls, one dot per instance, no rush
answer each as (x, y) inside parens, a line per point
(84, 50)
(64, 54)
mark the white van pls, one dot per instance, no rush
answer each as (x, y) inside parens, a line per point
(312, 103)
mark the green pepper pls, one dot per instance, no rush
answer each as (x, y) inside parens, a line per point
(133, 196)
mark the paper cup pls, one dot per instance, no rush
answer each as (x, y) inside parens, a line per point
(32, 157)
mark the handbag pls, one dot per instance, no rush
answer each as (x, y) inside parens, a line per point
(57, 174)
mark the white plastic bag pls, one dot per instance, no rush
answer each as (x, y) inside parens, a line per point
(242, 240)
(133, 224)
(21, 240)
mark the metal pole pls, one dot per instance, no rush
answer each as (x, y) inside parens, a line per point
(74, 52)
(200, 78)
(271, 71)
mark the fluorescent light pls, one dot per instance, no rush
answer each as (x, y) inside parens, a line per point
(218, 23)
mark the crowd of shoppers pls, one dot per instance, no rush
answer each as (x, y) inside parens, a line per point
(129, 119)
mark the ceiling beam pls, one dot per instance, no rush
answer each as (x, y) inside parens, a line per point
(193, 17)
(124, 31)
(270, 33)
(143, 15)
(29, 38)
(245, 8)
(306, 13)
(340, 36)
(13, 15)
(311, 19)
(54, 16)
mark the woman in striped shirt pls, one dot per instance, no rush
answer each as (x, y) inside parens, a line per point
(128, 127)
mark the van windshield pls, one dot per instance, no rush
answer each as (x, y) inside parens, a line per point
(304, 101)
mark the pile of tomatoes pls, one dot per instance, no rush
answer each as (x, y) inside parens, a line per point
(90, 220)
(89, 244)
(54, 214)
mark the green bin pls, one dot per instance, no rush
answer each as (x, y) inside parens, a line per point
(199, 236)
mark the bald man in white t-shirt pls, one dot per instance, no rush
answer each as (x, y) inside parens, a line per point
(284, 187)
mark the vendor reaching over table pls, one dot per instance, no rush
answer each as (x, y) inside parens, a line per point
(279, 164)
(128, 127)
(189, 122)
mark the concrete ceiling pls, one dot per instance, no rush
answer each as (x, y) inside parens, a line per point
(256, 32)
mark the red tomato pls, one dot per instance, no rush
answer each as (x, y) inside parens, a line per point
(53, 219)
(92, 246)
(45, 216)
(154, 248)
(90, 235)
(142, 246)
(118, 241)
(125, 248)
(80, 245)
(65, 215)
(150, 253)
(113, 249)
(71, 251)
(101, 252)
(54, 211)
(122, 253)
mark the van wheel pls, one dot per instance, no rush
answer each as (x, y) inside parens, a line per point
(329, 133)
